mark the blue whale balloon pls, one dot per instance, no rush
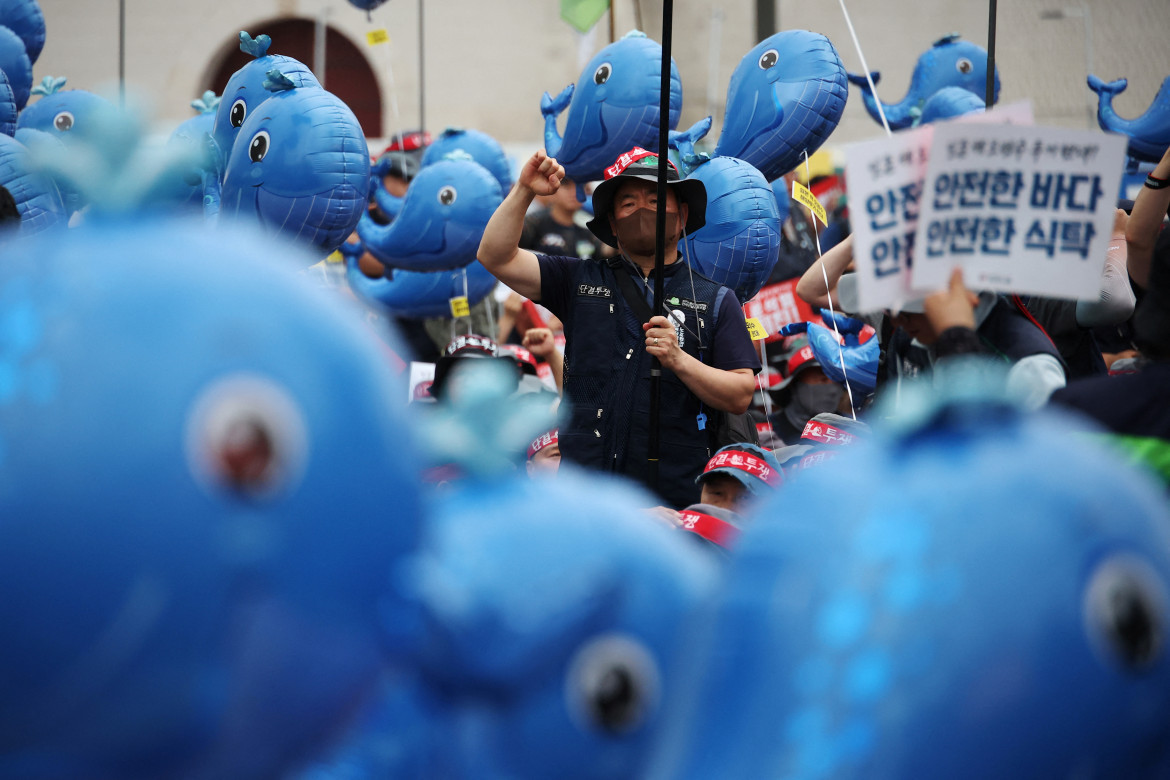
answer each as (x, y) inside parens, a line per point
(442, 218)
(245, 90)
(482, 148)
(300, 168)
(613, 107)
(550, 645)
(948, 103)
(185, 469)
(1149, 134)
(785, 98)
(67, 113)
(419, 294)
(24, 18)
(740, 241)
(990, 597)
(37, 197)
(8, 110)
(15, 63)
(192, 134)
(950, 62)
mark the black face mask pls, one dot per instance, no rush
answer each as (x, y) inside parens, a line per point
(809, 400)
(635, 232)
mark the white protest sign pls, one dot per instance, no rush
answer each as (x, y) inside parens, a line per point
(1020, 209)
(884, 182)
(883, 179)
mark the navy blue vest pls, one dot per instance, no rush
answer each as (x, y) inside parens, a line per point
(605, 420)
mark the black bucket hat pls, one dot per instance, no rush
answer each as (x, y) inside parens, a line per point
(641, 164)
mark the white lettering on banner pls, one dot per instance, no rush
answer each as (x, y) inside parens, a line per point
(1019, 209)
(777, 305)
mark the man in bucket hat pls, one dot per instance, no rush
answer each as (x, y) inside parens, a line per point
(699, 338)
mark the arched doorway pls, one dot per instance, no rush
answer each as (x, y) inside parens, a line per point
(347, 74)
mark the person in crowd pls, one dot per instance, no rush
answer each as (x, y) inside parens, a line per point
(708, 361)
(1133, 407)
(544, 455)
(556, 230)
(911, 342)
(805, 391)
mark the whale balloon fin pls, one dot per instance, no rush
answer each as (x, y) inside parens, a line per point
(48, 86)
(206, 104)
(550, 109)
(257, 47)
(684, 141)
(949, 38)
(277, 81)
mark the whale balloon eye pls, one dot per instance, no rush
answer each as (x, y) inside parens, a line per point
(246, 438)
(447, 195)
(63, 121)
(602, 74)
(612, 685)
(964, 66)
(769, 58)
(258, 147)
(1125, 609)
(238, 112)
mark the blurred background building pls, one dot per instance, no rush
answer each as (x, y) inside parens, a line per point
(484, 63)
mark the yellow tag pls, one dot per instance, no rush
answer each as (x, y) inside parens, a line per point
(459, 307)
(335, 257)
(756, 330)
(804, 195)
(374, 37)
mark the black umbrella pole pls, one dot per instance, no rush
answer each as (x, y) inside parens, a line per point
(659, 234)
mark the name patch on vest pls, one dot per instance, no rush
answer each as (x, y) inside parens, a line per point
(595, 291)
(686, 303)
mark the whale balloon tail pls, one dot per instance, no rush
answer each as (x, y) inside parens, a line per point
(684, 142)
(550, 109)
(859, 79)
(1106, 87)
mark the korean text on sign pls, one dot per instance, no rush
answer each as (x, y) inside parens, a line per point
(1020, 209)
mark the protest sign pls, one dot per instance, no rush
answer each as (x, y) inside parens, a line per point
(1020, 209)
(884, 182)
(775, 306)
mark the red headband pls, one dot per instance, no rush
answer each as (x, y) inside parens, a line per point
(541, 442)
(710, 528)
(747, 463)
(826, 434)
(629, 158)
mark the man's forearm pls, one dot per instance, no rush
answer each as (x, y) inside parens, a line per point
(499, 249)
(728, 391)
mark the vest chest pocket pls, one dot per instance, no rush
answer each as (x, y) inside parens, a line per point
(594, 342)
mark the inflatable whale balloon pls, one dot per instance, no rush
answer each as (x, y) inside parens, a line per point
(950, 62)
(300, 167)
(482, 148)
(24, 18)
(8, 110)
(245, 90)
(38, 199)
(547, 644)
(948, 103)
(180, 496)
(1149, 134)
(613, 107)
(785, 98)
(15, 63)
(891, 631)
(192, 133)
(740, 242)
(418, 294)
(442, 219)
(67, 113)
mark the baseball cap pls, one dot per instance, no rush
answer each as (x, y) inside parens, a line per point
(755, 467)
